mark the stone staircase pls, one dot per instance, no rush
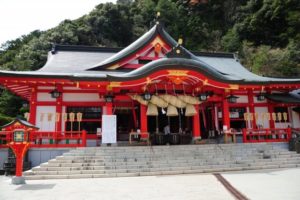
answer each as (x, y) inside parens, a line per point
(99, 162)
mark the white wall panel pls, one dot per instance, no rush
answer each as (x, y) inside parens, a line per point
(242, 99)
(42, 122)
(43, 96)
(81, 97)
(260, 122)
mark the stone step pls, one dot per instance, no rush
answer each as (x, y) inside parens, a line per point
(99, 162)
(154, 173)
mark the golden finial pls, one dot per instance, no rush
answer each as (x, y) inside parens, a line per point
(180, 41)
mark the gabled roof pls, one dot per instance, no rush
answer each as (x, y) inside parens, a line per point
(23, 122)
(89, 63)
(75, 58)
(132, 49)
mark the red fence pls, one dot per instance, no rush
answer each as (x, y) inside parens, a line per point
(267, 135)
(47, 139)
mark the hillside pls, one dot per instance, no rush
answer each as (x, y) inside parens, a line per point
(264, 33)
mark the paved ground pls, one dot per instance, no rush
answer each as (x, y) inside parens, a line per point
(269, 184)
(265, 185)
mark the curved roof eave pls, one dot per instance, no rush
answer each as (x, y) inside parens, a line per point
(145, 39)
(191, 64)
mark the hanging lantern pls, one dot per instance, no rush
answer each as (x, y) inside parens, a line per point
(190, 110)
(256, 116)
(285, 116)
(267, 116)
(79, 117)
(147, 96)
(55, 93)
(274, 116)
(279, 116)
(231, 98)
(64, 117)
(251, 116)
(203, 97)
(172, 111)
(261, 97)
(246, 116)
(72, 116)
(152, 110)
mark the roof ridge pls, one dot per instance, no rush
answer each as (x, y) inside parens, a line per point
(83, 48)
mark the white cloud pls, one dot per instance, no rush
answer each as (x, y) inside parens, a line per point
(19, 17)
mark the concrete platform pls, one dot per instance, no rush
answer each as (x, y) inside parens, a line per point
(261, 184)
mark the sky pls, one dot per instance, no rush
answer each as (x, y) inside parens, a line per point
(20, 17)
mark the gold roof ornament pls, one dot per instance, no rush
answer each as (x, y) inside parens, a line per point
(180, 41)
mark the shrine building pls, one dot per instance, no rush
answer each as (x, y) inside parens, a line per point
(153, 87)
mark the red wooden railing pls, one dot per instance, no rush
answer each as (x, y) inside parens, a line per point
(48, 139)
(267, 135)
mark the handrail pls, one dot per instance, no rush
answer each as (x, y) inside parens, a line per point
(267, 135)
(48, 138)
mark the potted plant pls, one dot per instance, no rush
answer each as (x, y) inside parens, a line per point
(199, 141)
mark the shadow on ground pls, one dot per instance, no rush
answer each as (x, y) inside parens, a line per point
(36, 187)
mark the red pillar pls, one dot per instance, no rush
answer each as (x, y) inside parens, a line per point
(59, 109)
(33, 99)
(226, 114)
(251, 107)
(109, 108)
(19, 165)
(84, 138)
(196, 124)
(144, 120)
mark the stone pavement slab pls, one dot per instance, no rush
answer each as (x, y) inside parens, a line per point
(175, 187)
(267, 184)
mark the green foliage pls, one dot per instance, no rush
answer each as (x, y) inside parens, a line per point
(5, 119)
(266, 33)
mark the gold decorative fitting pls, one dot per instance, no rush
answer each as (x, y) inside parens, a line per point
(156, 41)
(178, 51)
(158, 14)
(115, 66)
(148, 80)
(112, 85)
(180, 41)
(177, 72)
(233, 86)
(205, 82)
